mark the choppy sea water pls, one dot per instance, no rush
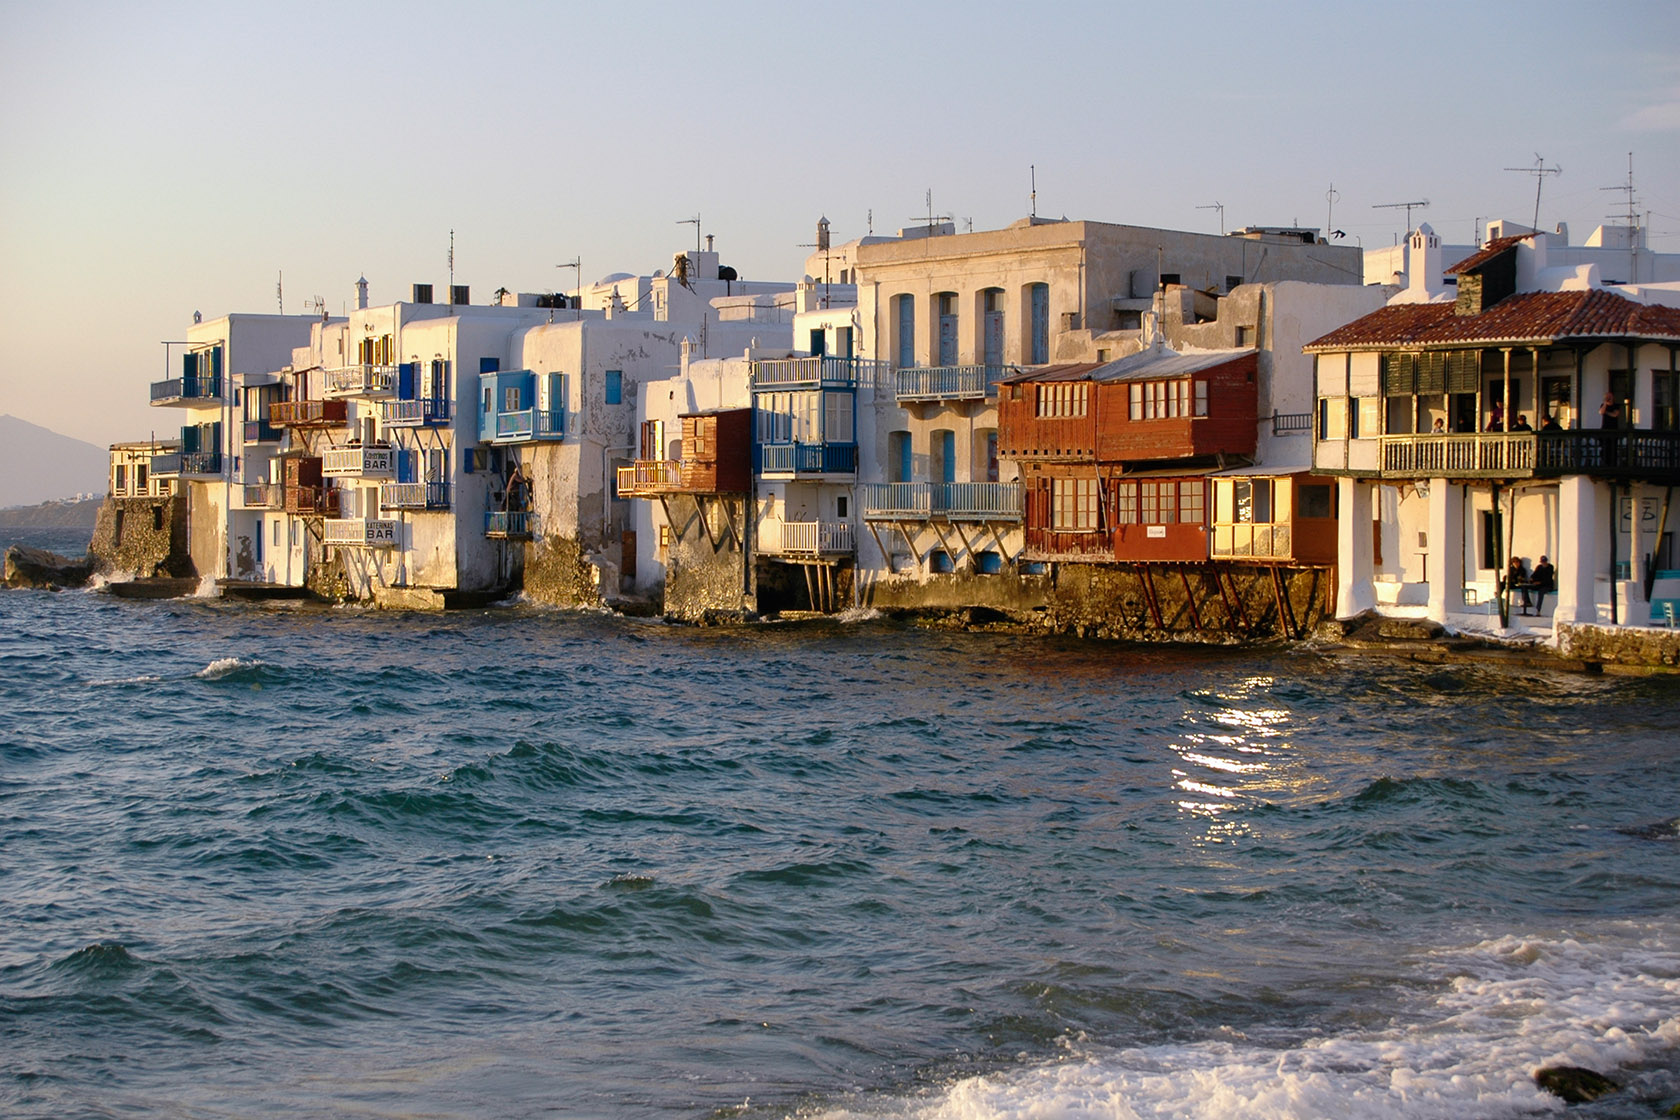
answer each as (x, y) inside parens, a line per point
(313, 862)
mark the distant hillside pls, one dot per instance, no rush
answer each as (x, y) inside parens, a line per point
(52, 515)
(38, 465)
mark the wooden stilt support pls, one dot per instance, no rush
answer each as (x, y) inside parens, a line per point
(810, 586)
(1149, 599)
(1190, 597)
(1241, 612)
(1286, 616)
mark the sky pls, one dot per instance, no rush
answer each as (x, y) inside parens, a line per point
(163, 158)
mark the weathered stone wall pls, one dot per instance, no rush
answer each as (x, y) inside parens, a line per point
(703, 583)
(557, 573)
(1619, 645)
(1104, 601)
(1007, 591)
(328, 578)
(142, 537)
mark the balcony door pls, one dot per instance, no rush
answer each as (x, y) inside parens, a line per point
(942, 453)
(992, 327)
(947, 307)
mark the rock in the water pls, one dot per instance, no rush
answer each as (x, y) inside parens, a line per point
(1574, 1084)
(47, 571)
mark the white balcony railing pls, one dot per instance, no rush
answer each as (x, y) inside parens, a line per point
(359, 381)
(807, 538)
(359, 462)
(359, 532)
(649, 476)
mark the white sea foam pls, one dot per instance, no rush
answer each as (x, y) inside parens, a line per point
(1501, 1009)
(222, 666)
(858, 614)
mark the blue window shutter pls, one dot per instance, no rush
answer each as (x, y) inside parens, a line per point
(405, 466)
(189, 365)
(189, 440)
(489, 365)
(215, 361)
(466, 460)
(405, 381)
(615, 386)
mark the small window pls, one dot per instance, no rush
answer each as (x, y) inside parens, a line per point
(117, 528)
(121, 484)
(139, 478)
(842, 507)
(1073, 504)
(615, 386)
(1126, 503)
(1169, 278)
(510, 399)
(1317, 501)
(1190, 509)
(1231, 282)
(488, 399)
(157, 519)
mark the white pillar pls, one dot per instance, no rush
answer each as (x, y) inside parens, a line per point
(1355, 592)
(1581, 520)
(1635, 610)
(1446, 548)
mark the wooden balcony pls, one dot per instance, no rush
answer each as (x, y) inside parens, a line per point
(1626, 454)
(308, 414)
(943, 501)
(647, 478)
(311, 501)
(265, 495)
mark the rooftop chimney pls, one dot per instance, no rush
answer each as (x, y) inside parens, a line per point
(361, 294)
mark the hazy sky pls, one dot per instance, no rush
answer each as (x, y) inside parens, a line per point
(157, 159)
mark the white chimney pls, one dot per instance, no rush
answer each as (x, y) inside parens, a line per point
(361, 294)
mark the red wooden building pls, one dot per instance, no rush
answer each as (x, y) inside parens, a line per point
(1115, 456)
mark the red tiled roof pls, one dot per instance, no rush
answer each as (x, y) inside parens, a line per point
(1523, 318)
(1487, 252)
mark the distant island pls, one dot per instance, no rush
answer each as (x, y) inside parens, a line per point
(38, 465)
(69, 513)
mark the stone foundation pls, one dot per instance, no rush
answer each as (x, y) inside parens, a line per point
(558, 573)
(1111, 601)
(142, 537)
(703, 583)
(1633, 646)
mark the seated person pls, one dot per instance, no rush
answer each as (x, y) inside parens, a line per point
(1522, 423)
(1516, 579)
(1551, 424)
(1543, 580)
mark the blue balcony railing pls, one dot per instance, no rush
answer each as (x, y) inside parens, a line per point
(187, 390)
(414, 414)
(530, 423)
(179, 464)
(949, 383)
(510, 524)
(807, 458)
(952, 501)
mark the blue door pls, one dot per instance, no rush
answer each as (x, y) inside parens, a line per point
(1040, 353)
(944, 456)
(947, 330)
(906, 331)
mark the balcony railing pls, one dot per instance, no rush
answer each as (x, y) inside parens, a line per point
(187, 464)
(187, 390)
(513, 525)
(261, 431)
(359, 532)
(949, 383)
(309, 414)
(265, 495)
(413, 414)
(808, 538)
(359, 381)
(649, 476)
(807, 458)
(1291, 423)
(311, 501)
(795, 372)
(1654, 456)
(358, 462)
(951, 501)
(530, 423)
(414, 495)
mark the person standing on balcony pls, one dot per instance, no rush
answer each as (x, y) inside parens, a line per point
(1610, 412)
(1496, 423)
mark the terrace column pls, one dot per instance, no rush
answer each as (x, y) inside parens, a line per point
(1446, 548)
(1355, 592)
(1580, 528)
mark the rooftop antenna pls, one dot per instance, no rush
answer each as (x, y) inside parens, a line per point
(871, 220)
(1408, 207)
(1539, 171)
(280, 290)
(452, 268)
(1632, 221)
(576, 263)
(1032, 170)
(931, 216)
(695, 222)
(1330, 197)
(1219, 206)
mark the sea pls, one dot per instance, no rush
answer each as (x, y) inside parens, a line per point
(301, 861)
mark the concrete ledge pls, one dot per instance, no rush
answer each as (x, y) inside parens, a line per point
(1625, 646)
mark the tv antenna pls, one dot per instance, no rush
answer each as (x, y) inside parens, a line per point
(1408, 207)
(576, 263)
(1539, 171)
(695, 222)
(451, 268)
(1032, 199)
(1330, 197)
(1632, 221)
(1219, 206)
(931, 216)
(280, 290)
